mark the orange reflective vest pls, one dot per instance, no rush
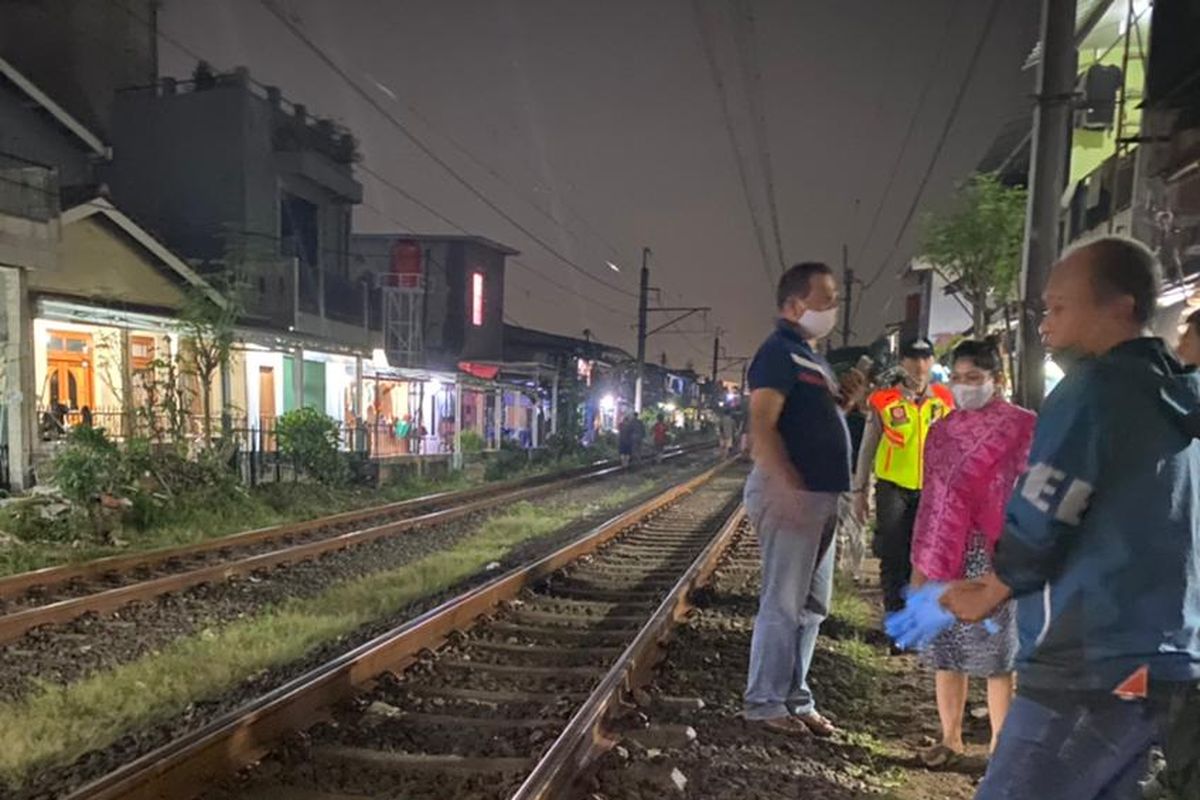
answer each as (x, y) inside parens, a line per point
(899, 458)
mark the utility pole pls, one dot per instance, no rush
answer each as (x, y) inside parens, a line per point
(1047, 177)
(641, 334)
(848, 292)
(716, 354)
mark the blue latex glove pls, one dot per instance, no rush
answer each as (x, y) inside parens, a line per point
(924, 618)
(921, 620)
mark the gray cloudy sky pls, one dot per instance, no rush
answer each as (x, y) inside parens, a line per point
(598, 126)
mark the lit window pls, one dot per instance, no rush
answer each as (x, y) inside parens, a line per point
(477, 299)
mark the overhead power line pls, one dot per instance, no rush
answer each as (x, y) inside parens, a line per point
(934, 71)
(394, 187)
(421, 145)
(746, 40)
(710, 55)
(986, 30)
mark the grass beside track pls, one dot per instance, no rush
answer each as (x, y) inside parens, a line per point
(188, 522)
(55, 725)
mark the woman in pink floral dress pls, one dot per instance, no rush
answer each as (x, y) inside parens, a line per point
(972, 460)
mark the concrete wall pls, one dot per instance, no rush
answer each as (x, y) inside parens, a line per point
(81, 51)
(202, 170)
(179, 165)
(37, 137)
(485, 341)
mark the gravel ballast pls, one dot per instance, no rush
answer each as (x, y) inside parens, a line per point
(884, 706)
(148, 626)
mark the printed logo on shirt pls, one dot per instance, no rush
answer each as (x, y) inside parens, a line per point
(1052, 491)
(811, 372)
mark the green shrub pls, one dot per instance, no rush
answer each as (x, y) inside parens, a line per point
(604, 447)
(508, 463)
(562, 446)
(310, 439)
(89, 464)
(471, 442)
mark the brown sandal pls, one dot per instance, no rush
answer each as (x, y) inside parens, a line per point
(792, 726)
(817, 724)
(939, 756)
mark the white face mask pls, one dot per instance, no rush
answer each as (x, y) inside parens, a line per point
(817, 324)
(972, 398)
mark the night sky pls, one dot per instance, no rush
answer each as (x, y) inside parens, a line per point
(599, 127)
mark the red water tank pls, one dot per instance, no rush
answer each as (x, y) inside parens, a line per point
(406, 262)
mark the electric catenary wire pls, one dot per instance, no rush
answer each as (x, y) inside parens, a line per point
(746, 41)
(400, 191)
(934, 71)
(710, 55)
(428, 151)
(941, 142)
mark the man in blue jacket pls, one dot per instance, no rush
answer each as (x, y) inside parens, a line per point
(1102, 550)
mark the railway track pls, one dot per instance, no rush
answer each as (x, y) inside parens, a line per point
(57, 595)
(504, 691)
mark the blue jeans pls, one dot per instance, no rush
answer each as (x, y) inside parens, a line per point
(1093, 749)
(795, 536)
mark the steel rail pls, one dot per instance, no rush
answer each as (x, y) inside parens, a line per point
(17, 623)
(585, 738)
(181, 769)
(47, 577)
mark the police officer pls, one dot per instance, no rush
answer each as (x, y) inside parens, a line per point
(892, 452)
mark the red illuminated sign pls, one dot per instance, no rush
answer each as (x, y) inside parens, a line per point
(477, 299)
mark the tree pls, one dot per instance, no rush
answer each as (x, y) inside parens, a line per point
(976, 246)
(208, 325)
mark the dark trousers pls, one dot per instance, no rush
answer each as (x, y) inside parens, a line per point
(1094, 747)
(895, 514)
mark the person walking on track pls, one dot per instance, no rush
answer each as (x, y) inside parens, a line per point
(972, 461)
(801, 454)
(892, 452)
(1101, 549)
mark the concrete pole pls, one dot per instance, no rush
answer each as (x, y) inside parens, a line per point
(643, 299)
(359, 389)
(498, 417)
(227, 397)
(554, 403)
(457, 459)
(1048, 167)
(298, 376)
(847, 295)
(20, 394)
(127, 410)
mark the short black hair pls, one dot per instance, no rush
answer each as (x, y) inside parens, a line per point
(1123, 266)
(983, 353)
(797, 280)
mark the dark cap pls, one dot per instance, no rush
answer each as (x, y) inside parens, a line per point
(916, 348)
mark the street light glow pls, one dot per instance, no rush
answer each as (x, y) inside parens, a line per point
(608, 402)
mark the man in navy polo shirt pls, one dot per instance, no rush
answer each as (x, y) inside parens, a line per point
(801, 452)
